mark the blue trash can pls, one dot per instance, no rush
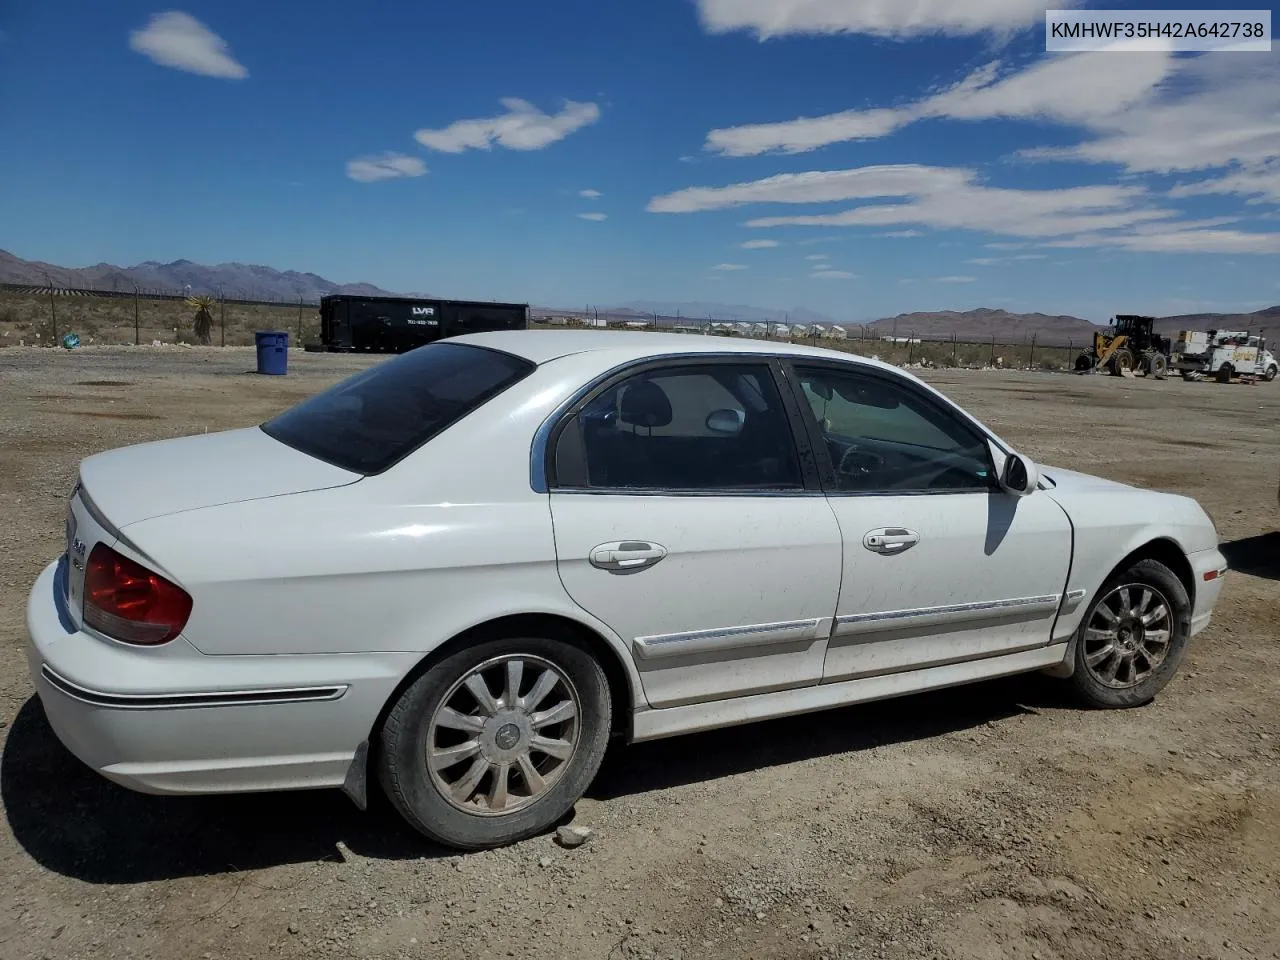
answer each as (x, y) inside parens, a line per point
(273, 352)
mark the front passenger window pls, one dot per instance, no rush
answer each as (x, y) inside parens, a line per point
(886, 437)
(691, 428)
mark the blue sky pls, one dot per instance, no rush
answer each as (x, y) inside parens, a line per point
(872, 163)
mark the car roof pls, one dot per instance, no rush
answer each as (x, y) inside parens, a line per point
(541, 346)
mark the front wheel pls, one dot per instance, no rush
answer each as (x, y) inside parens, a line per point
(1225, 373)
(1121, 362)
(495, 743)
(1130, 642)
(1271, 373)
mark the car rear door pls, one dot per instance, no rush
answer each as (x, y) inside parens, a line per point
(940, 564)
(686, 520)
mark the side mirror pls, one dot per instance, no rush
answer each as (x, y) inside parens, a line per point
(727, 423)
(1019, 476)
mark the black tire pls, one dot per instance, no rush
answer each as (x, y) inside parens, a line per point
(1158, 366)
(1159, 580)
(1225, 373)
(1270, 374)
(1120, 361)
(403, 745)
(1084, 363)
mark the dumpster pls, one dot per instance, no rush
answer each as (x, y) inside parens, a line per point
(273, 352)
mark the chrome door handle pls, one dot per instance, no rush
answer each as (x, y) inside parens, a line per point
(626, 556)
(889, 540)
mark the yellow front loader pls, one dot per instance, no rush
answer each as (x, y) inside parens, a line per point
(1133, 348)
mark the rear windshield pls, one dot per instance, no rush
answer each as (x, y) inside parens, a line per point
(372, 420)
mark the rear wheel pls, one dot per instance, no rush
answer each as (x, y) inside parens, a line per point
(1271, 373)
(1225, 373)
(1158, 366)
(495, 743)
(1131, 641)
(1084, 363)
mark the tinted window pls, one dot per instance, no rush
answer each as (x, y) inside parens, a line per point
(370, 421)
(883, 436)
(719, 427)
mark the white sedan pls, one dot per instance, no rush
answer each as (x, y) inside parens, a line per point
(463, 570)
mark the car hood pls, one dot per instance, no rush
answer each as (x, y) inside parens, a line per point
(169, 476)
(1070, 481)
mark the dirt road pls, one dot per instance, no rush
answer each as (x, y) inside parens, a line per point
(996, 821)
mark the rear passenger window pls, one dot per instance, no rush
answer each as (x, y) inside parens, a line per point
(705, 428)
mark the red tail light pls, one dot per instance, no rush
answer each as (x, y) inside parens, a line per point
(128, 602)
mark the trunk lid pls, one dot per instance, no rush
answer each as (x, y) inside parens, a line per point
(207, 470)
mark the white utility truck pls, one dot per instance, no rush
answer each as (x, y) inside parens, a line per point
(1223, 354)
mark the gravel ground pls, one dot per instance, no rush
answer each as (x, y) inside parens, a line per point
(994, 821)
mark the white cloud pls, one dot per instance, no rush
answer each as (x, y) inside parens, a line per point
(1261, 182)
(730, 266)
(179, 40)
(590, 194)
(992, 261)
(897, 19)
(758, 244)
(832, 275)
(804, 133)
(1076, 89)
(386, 166)
(903, 234)
(816, 186)
(946, 198)
(1214, 111)
(954, 279)
(593, 216)
(818, 256)
(522, 127)
(1176, 238)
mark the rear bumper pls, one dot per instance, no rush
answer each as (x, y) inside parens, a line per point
(172, 720)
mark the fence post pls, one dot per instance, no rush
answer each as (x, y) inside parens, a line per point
(992, 362)
(953, 344)
(299, 319)
(222, 322)
(53, 313)
(137, 339)
(1031, 359)
(911, 342)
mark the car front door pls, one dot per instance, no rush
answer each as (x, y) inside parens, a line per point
(688, 520)
(940, 564)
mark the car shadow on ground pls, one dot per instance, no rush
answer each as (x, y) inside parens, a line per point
(678, 761)
(76, 823)
(1257, 556)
